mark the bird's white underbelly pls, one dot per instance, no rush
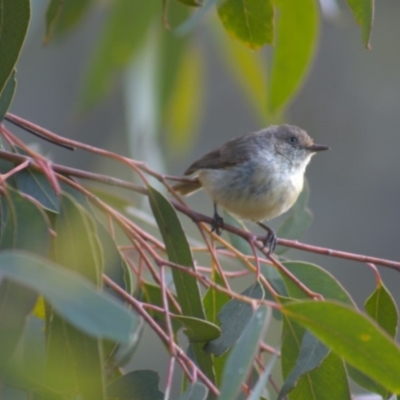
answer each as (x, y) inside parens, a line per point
(254, 199)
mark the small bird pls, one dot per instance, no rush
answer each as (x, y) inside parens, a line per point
(256, 176)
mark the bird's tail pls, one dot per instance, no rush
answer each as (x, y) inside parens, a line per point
(186, 188)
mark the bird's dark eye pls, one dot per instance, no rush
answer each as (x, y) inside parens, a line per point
(293, 139)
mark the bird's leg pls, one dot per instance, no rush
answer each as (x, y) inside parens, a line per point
(270, 238)
(217, 222)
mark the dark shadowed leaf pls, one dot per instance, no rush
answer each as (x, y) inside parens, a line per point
(250, 21)
(296, 38)
(14, 20)
(353, 336)
(297, 222)
(7, 95)
(241, 357)
(192, 3)
(363, 11)
(234, 317)
(135, 385)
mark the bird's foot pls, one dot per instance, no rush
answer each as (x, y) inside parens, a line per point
(269, 240)
(217, 224)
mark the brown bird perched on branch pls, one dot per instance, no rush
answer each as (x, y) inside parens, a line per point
(256, 176)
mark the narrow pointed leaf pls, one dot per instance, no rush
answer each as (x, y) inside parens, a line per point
(52, 13)
(312, 353)
(234, 317)
(72, 296)
(363, 11)
(296, 38)
(198, 330)
(259, 387)
(66, 17)
(382, 308)
(7, 95)
(353, 336)
(14, 21)
(178, 251)
(250, 21)
(135, 385)
(241, 357)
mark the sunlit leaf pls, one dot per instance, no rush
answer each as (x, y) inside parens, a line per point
(198, 330)
(353, 336)
(363, 11)
(14, 20)
(250, 21)
(296, 38)
(7, 95)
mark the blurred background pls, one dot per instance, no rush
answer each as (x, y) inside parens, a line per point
(350, 101)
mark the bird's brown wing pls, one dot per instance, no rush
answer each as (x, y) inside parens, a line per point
(235, 151)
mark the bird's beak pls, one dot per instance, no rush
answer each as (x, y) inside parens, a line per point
(317, 147)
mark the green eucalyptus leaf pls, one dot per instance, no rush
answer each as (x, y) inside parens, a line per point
(178, 251)
(312, 353)
(7, 95)
(124, 32)
(198, 330)
(14, 21)
(26, 228)
(136, 385)
(36, 185)
(383, 309)
(52, 14)
(353, 336)
(242, 355)
(363, 11)
(250, 21)
(234, 318)
(74, 298)
(296, 38)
